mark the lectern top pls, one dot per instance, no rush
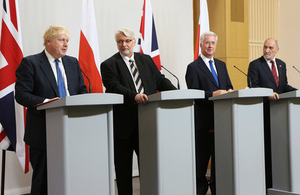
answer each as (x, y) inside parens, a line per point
(177, 95)
(291, 94)
(84, 100)
(245, 93)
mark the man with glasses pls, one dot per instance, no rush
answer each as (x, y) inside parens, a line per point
(135, 76)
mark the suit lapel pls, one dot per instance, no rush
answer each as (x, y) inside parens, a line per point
(46, 68)
(279, 68)
(203, 67)
(142, 71)
(124, 71)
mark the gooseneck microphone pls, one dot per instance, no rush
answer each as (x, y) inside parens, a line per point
(296, 69)
(250, 83)
(172, 75)
(90, 86)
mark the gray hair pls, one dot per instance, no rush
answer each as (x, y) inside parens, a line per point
(208, 33)
(276, 42)
(126, 31)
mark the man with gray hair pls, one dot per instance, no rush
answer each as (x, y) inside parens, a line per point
(269, 72)
(135, 76)
(209, 74)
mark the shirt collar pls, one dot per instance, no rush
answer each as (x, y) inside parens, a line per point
(50, 57)
(126, 58)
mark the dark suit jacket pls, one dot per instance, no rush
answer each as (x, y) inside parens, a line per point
(36, 82)
(117, 79)
(261, 75)
(198, 76)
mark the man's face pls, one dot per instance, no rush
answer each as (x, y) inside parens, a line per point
(125, 44)
(208, 46)
(58, 46)
(270, 49)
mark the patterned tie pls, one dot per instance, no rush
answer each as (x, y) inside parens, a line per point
(213, 71)
(60, 81)
(136, 77)
(275, 73)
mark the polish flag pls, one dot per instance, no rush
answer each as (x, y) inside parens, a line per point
(203, 26)
(89, 57)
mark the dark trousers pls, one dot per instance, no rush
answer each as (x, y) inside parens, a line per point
(123, 149)
(204, 150)
(38, 160)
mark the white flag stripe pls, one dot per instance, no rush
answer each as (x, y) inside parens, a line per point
(89, 29)
(203, 19)
(7, 90)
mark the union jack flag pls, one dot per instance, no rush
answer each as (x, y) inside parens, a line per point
(12, 115)
(148, 39)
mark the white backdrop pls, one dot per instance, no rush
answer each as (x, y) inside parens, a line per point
(174, 28)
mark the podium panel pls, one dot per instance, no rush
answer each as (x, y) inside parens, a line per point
(285, 141)
(167, 143)
(80, 144)
(239, 142)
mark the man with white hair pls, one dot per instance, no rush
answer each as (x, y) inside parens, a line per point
(209, 74)
(135, 76)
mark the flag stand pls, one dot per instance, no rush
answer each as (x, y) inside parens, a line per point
(3, 172)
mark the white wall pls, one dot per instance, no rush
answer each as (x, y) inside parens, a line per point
(289, 31)
(174, 28)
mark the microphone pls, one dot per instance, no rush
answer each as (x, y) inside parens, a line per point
(90, 86)
(172, 75)
(296, 69)
(250, 83)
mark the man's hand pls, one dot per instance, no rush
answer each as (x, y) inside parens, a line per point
(220, 92)
(274, 97)
(141, 98)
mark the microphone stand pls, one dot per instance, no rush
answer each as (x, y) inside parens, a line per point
(250, 84)
(172, 75)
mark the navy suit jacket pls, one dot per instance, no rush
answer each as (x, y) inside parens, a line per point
(36, 82)
(198, 76)
(261, 75)
(117, 79)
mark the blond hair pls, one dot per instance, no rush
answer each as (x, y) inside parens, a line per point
(53, 31)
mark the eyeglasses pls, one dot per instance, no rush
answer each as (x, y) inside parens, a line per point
(122, 41)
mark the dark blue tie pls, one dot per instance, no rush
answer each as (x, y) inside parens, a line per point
(60, 81)
(213, 71)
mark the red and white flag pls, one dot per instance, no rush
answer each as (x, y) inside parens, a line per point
(89, 57)
(203, 26)
(148, 39)
(12, 115)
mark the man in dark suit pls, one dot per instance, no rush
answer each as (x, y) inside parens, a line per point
(200, 75)
(37, 83)
(269, 72)
(135, 76)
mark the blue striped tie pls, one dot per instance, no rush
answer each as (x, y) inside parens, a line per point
(213, 71)
(60, 81)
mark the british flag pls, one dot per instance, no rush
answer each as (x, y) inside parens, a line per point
(12, 115)
(148, 39)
